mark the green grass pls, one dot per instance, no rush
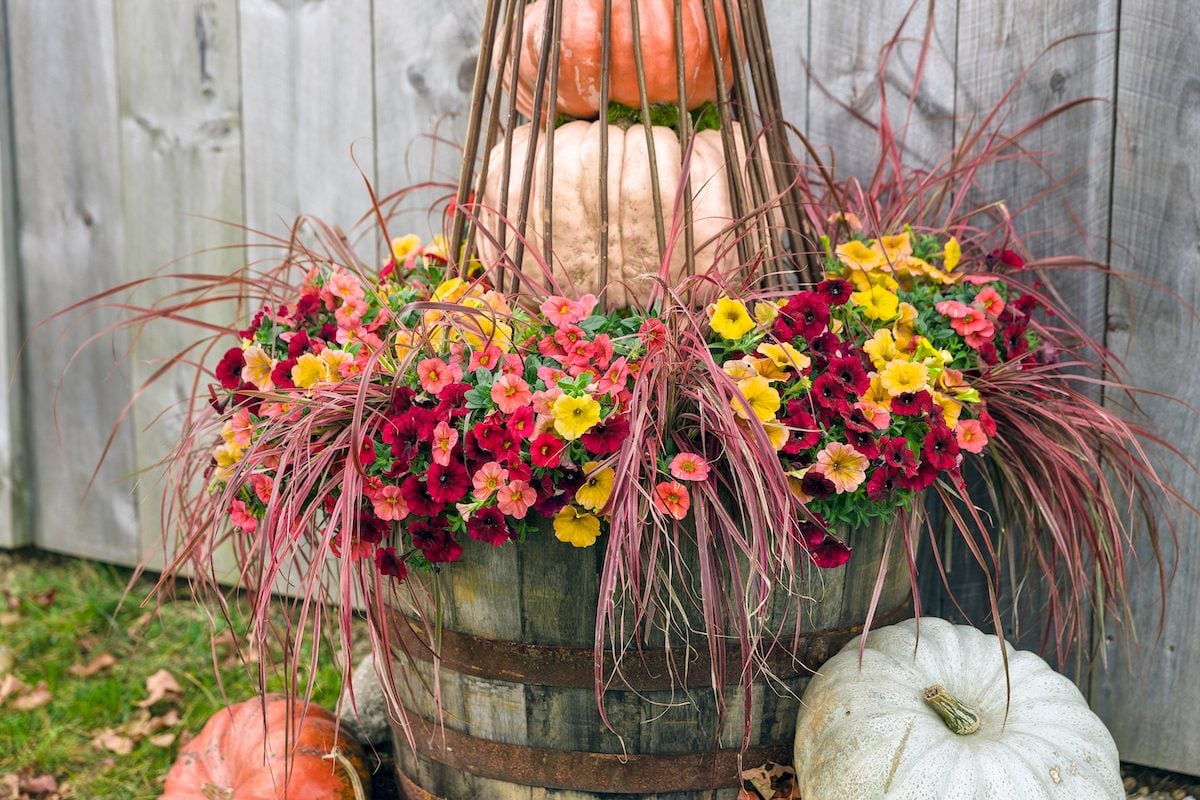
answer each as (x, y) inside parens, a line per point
(86, 618)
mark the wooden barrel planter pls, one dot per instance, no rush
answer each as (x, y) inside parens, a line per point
(519, 716)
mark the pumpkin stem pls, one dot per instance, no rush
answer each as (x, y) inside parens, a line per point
(958, 717)
(355, 781)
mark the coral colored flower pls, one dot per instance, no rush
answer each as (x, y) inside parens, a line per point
(345, 286)
(560, 311)
(444, 440)
(257, 369)
(653, 334)
(689, 467)
(488, 479)
(515, 499)
(755, 398)
(597, 486)
(574, 416)
(843, 466)
(241, 428)
(510, 393)
(730, 319)
(241, 517)
(992, 302)
(904, 377)
(489, 526)
(970, 435)
(389, 503)
(309, 371)
(879, 417)
(435, 375)
(672, 498)
(572, 527)
(485, 358)
(388, 563)
(545, 450)
(877, 302)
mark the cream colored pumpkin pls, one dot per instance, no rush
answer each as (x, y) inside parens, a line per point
(632, 236)
(870, 734)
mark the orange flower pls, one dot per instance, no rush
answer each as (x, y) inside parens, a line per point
(672, 498)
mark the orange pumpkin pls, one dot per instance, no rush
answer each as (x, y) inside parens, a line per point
(633, 262)
(236, 758)
(580, 56)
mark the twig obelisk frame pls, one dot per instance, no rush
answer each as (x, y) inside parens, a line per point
(768, 226)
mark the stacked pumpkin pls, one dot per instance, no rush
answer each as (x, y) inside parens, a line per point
(576, 215)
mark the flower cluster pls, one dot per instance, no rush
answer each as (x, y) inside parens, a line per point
(865, 384)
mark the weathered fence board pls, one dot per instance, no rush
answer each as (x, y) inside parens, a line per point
(15, 529)
(181, 158)
(1150, 700)
(70, 242)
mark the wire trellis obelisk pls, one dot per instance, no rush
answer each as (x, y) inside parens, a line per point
(766, 223)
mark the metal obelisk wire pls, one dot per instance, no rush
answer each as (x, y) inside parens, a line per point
(767, 229)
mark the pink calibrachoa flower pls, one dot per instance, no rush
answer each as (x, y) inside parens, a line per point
(843, 466)
(241, 517)
(345, 286)
(879, 417)
(510, 393)
(614, 377)
(970, 435)
(390, 504)
(242, 426)
(262, 487)
(435, 375)
(444, 440)
(992, 302)
(487, 358)
(550, 375)
(515, 499)
(560, 311)
(689, 467)
(488, 479)
(350, 314)
(512, 364)
(672, 498)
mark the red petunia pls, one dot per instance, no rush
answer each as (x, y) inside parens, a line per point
(912, 404)
(816, 485)
(371, 528)
(813, 531)
(653, 334)
(281, 376)
(829, 392)
(607, 436)
(830, 554)
(388, 563)
(803, 427)
(897, 454)
(299, 344)
(229, 369)
(940, 448)
(420, 502)
(835, 291)
(521, 423)
(488, 525)
(447, 484)
(850, 373)
(883, 482)
(546, 450)
(1015, 343)
(805, 314)
(922, 479)
(863, 441)
(495, 437)
(825, 347)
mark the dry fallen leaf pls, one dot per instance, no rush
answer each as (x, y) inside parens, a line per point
(33, 698)
(11, 685)
(161, 686)
(40, 785)
(100, 662)
(138, 626)
(771, 781)
(110, 740)
(10, 787)
(162, 740)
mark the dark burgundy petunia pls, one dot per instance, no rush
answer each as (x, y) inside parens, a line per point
(403, 434)
(390, 564)
(813, 531)
(988, 423)
(828, 391)
(403, 399)
(447, 484)
(1015, 343)
(309, 304)
(416, 493)
(835, 291)
(435, 541)
(830, 554)
(229, 369)
(816, 485)
(488, 525)
(989, 355)
(252, 328)
(1026, 303)
(299, 344)
(452, 402)
(863, 441)
(1008, 258)
(281, 376)
(804, 431)
(607, 436)
(371, 528)
(494, 436)
(897, 454)
(920, 480)
(825, 347)
(806, 314)
(940, 448)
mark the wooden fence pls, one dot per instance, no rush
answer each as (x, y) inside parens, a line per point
(123, 123)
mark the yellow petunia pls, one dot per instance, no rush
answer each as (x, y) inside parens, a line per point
(768, 369)
(740, 368)
(878, 303)
(877, 395)
(897, 247)
(757, 398)
(904, 377)
(730, 319)
(765, 313)
(951, 255)
(405, 343)
(574, 416)
(951, 408)
(597, 486)
(451, 291)
(858, 256)
(785, 356)
(404, 246)
(309, 371)
(882, 348)
(903, 328)
(777, 433)
(574, 528)
(931, 357)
